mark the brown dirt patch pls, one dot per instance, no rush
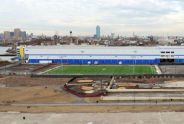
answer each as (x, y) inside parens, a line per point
(92, 99)
(33, 95)
(94, 109)
(3, 63)
(17, 81)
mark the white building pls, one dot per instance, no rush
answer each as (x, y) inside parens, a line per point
(104, 55)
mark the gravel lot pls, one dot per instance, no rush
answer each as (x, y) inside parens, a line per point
(172, 69)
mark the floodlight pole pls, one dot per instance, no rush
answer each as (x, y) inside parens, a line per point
(134, 66)
(62, 66)
(134, 62)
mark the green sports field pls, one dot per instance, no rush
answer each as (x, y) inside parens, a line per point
(96, 70)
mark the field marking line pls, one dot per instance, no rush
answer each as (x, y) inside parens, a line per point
(50, 69)
(152, 70)
(158, 69)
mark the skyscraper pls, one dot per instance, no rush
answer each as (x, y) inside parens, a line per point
(97, 31)
(17, 33)
(12, 34)
(1, 36)
(7, 35)
(23, 35)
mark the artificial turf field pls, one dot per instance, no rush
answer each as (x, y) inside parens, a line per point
(103, 69)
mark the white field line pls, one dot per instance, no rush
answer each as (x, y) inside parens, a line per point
(158, 69)
(153, 70)
(49, 69)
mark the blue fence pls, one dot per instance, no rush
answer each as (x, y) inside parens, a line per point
(99, 61)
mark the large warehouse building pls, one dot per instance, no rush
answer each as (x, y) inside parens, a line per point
(101, 54)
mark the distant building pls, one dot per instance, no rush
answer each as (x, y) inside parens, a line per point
(7, 35)
(31, 35)
(112, 35)
(23, 35)
(17, 34)
(97, 31)
(12, 34)
(1, 36)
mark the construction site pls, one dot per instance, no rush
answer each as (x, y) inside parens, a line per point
(92, 79)
(26, 88)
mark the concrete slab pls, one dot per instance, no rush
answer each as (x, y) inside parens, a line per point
(132, 98)
(92, 118)
(172, 69)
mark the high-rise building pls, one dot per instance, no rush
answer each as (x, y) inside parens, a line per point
(23, 35)
(12, 34)
(1, 36)
(97, 31)
(17, 33)
(7, 35)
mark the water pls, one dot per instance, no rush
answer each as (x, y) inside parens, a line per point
(3, 51)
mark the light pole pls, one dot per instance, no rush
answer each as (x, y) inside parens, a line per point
(134, 61)
(61, 64)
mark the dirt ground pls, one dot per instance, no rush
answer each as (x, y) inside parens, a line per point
(93, 109)
(3, 63)
(33, 95)
(25, 89)
(18, 81)
(92, 99)
(25, 67)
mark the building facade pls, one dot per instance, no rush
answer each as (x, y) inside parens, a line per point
(103, 55)
(17, 34)
(7, 35)
(23, 35)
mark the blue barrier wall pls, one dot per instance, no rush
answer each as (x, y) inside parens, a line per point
(99, 61)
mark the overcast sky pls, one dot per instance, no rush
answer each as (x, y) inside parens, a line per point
(144, 17)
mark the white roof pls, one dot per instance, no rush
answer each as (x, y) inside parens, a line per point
(104, 47)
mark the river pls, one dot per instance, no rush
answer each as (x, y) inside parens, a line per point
(3, 51)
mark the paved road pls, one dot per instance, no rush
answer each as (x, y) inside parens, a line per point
(98, 104)
(93, 118)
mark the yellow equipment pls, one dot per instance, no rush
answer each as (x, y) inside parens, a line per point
(22, 55)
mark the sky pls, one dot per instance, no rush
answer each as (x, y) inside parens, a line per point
(123, 17)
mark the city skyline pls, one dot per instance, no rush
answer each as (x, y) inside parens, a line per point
(144, 17)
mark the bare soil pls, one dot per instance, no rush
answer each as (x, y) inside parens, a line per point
(3, 63)
(18, 81)
(94, 109)
(25, 67)
(33, 95)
